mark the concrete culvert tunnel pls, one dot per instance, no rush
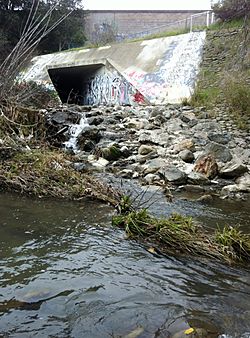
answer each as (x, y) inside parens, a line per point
(71, 82)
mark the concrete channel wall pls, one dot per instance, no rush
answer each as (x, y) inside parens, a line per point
(154, 71)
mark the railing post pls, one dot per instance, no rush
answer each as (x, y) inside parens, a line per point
(208, 19)
(212, 18)
(191, 23)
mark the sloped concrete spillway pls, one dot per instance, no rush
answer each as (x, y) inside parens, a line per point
(156, 71)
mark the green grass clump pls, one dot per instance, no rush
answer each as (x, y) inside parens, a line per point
(236, 90)
(160, 35)
(204, 97)
(218, 25)
(233, 242)
(180, 234)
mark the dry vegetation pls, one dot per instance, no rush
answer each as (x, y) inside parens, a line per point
(224, 78)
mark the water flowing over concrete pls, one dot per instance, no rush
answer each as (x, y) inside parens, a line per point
(156, 71)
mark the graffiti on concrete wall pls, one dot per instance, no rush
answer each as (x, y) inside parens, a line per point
(174, 77)
(110, 88)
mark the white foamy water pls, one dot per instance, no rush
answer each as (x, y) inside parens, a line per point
(74, 131)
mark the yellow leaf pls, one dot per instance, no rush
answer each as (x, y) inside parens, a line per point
(189, 331)
(151, 250)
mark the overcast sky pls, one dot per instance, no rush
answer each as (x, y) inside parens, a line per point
(147, 4)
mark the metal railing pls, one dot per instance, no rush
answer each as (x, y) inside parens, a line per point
(188, 24)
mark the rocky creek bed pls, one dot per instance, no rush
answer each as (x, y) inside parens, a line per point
(176, 147)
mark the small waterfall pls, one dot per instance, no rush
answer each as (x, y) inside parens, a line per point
(74, 131)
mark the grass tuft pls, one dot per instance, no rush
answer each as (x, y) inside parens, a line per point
(180, 234)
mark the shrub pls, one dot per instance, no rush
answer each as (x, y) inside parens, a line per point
(236, 90)
(227, 10)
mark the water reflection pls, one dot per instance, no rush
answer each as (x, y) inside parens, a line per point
(66, 273)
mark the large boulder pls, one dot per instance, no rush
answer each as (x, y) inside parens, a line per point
(219, 138)
(173, 175)
(242, 185)
(88, 137)
(233, 169)
(206, 165)
(220, 152)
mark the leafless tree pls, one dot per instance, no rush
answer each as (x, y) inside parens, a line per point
(35, 29)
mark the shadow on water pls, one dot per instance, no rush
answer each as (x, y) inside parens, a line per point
(65, 272)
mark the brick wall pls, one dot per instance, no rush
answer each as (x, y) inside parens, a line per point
(133, 23)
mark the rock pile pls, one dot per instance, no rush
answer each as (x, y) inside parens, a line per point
(174, 144)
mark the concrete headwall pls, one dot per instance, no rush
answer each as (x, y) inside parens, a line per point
(154, 71)
(129, 23)
(107, 86)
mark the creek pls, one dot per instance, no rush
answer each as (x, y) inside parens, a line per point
(65, 272)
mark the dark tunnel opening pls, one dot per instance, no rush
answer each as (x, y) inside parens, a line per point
(71, 82)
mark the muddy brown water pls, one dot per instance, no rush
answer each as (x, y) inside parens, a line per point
(65, 272)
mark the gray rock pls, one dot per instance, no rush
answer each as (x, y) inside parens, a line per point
(167, 115)
(125, 151)
(90, 133)
(60, 117)
(184, 144)
(207, 126)
(186, 155)
(242, 185)
(153, 165)
(135, 123)
(173, 175)
(197, 178)
(205, 198)
(193, 188)
(158, 120)
(79, 166)
(157, 111)
(228, 189)
(95, 120)
(188, 117)
(113, 136)
(219, 151)
(154, 136)
(145, 149)
(174, 125)
(126, 173)
(98, 163)
(219, 138)
(233, 169)
(143, 158)
(243, 182)
(151, 178)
